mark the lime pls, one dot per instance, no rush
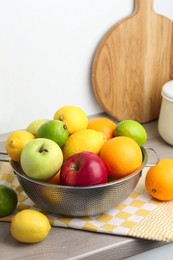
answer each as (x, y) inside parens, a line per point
(54, 130)
(133, 129)
(30, 226)
(8, 200)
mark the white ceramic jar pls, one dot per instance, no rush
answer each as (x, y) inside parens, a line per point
(165, 121)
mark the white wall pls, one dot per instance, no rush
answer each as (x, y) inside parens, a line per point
(46, 52)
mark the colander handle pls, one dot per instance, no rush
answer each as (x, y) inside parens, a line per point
(156, 155)
(146, 148)
(4, 154)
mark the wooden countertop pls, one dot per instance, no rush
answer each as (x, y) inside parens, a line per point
(63, 243)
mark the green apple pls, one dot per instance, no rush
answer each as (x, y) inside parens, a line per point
(41, 159)
(35, 125)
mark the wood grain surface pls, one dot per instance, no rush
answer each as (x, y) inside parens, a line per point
(131, 64)
(67, 244)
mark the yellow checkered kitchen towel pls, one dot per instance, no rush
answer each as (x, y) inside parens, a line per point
(138, 216)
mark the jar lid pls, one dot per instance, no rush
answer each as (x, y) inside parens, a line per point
(167, 90)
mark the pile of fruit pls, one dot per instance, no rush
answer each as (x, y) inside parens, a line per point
(70, 149)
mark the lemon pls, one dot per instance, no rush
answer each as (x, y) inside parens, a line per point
(84, 140)
(133, 129)
(55, 130)
(74, 117)
(30, 226)
(35, 125)
(16, 142)
(8, 200)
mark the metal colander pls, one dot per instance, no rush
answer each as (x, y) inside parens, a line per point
(79, 201)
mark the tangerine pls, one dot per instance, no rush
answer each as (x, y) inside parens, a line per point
(159, 180)
(104, 125)
(55, 179)
(122, 155)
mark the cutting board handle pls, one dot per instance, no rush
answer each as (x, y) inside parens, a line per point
(144, 6)
(132, 62)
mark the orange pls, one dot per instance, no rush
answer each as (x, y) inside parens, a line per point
(159, 180)
(104, 125)
(122, 155)
(55, 179)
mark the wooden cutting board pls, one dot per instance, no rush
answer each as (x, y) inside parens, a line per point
(131, 64)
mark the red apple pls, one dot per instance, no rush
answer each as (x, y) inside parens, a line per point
(83, 169)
